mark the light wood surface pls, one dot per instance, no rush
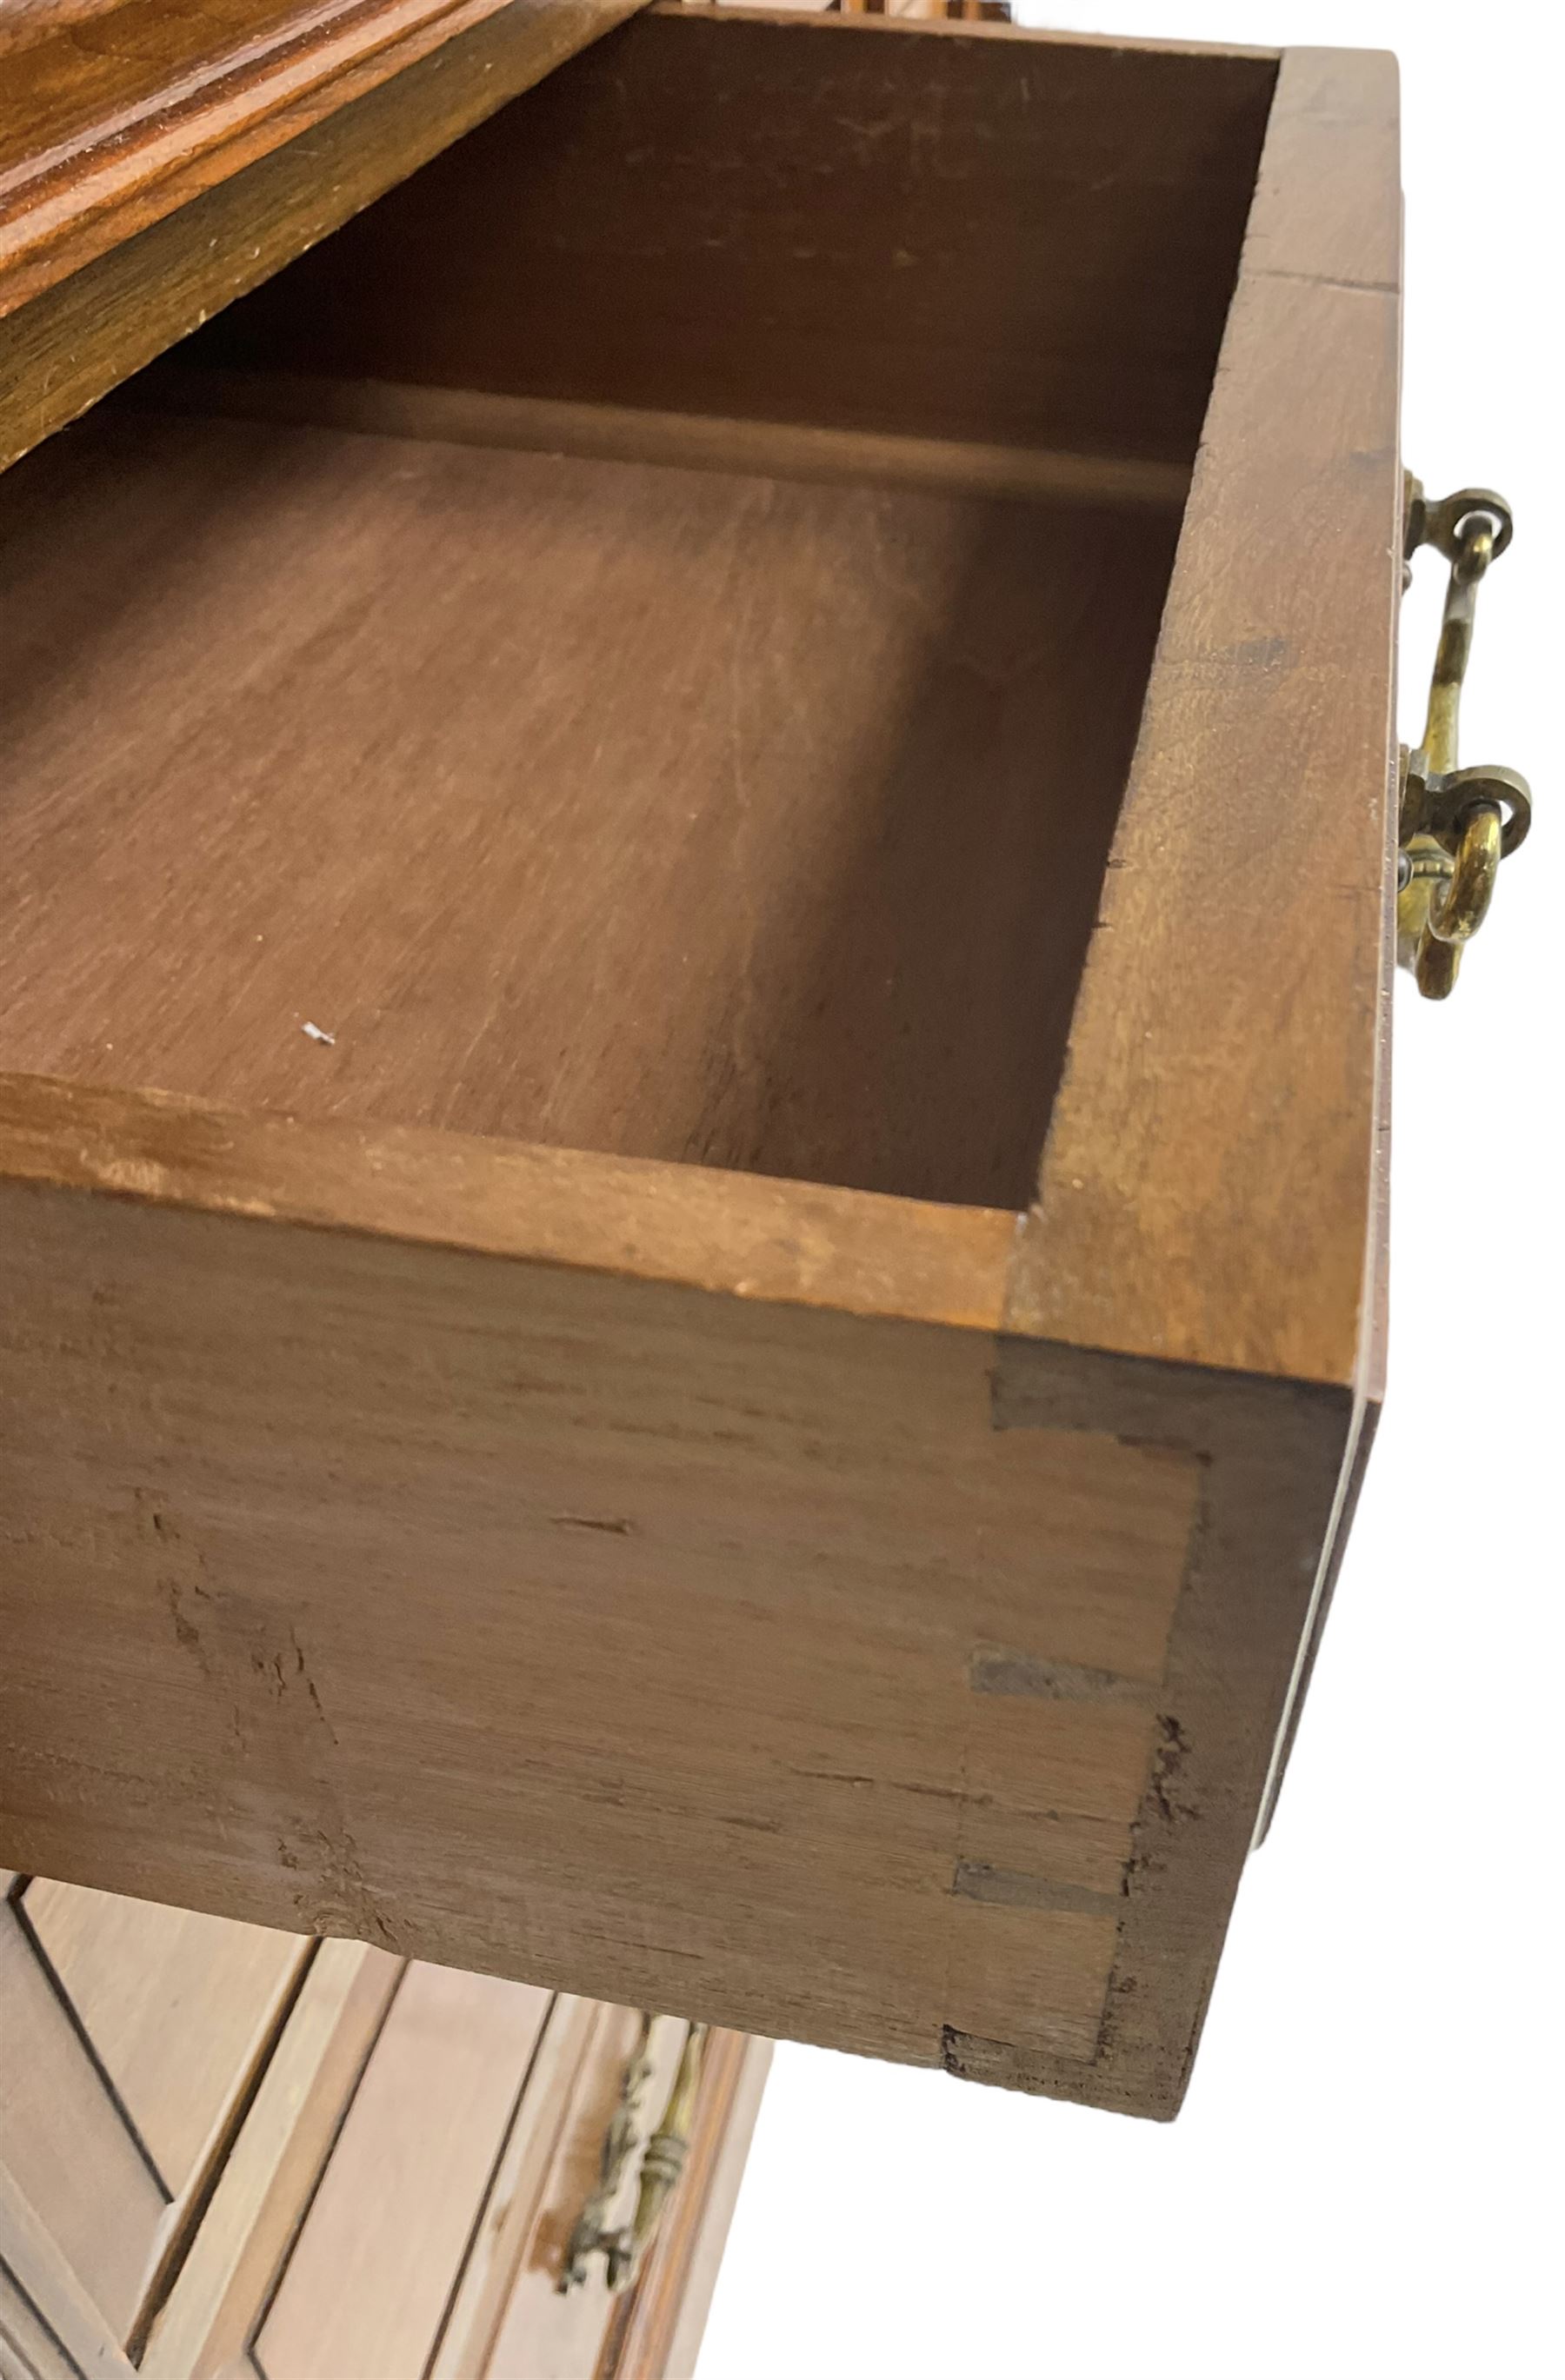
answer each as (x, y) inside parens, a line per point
(658, 2334)
(29, 2349)
(401, 2192)
(63, 2143)
(205, 2321)
(519, 2245)
(176, 2004)
(356, 762)
(543, 2333)
(367, 2282)
(44, 2291)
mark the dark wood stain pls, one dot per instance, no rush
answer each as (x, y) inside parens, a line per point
(928, 230)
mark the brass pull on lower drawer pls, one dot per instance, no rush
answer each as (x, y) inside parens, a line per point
(1455, 825)
(622, 2245)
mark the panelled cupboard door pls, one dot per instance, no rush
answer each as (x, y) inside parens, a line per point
(178, 2007)
(541, 2334)
(413, 2152)
(368, 2282)
(29, 2350)
(301, 2103)
(694, 1284)
(131, 2037)
(433, 2240)
(67, 2154)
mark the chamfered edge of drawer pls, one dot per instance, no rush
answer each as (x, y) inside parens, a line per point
(744, 1235)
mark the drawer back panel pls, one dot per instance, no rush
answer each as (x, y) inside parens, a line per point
(966, 235)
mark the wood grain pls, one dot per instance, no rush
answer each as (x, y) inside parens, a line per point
(608, 1478)
(45, 2292)
(1225, 1220)
(363, 2211)
(519, 2241)
(220, 2290)
(339, 1436)
(1238, 1217)
(413, 2166)
(1011, 237)
(176, 2005)
(1270, 1457)
(355, 760)
(149, 263)
(1369, 1388)
(29, 2349)
(99, 138)
(783, 1243)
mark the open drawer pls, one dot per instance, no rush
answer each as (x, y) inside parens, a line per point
(697, 858)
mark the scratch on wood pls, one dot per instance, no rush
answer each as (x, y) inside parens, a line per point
(993, 1669)
(891, 1784)
(1010, 1889)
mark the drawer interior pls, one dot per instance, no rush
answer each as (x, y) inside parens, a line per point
(638, 640)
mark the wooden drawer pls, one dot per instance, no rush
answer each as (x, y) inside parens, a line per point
(698, 844)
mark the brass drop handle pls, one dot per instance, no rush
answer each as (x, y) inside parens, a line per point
(623, 2246)
(1455, 825)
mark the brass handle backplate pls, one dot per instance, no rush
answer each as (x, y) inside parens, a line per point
(1455, 824)
(623, 2244)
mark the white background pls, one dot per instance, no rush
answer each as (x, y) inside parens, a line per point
(1366, 2182)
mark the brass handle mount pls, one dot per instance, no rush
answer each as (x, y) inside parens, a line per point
(1455, 825)
(622, 2245)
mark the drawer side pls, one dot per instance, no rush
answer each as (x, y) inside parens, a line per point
(1209, 1190)
(707, 1652)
